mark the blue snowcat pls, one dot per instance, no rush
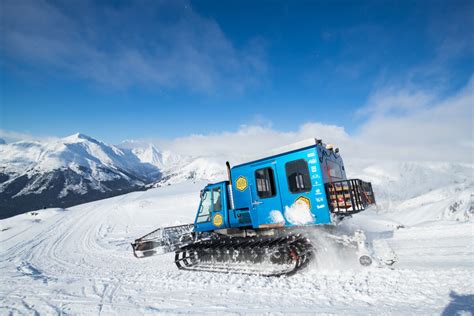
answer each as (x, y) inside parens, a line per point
(260, 220)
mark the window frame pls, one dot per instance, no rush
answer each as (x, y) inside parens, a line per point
(308, 173)
(272, 183)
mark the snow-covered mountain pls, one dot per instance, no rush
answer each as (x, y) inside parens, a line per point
(78, 168)
(67, 171)
(211, 169)
(148, 153)
(177, 168)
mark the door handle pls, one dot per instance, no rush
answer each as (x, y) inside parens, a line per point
(254, 203)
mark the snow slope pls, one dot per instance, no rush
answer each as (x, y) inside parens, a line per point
(415, 191)
(79, 261)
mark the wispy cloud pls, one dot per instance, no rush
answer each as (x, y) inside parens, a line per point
(12, 136)
(395, 101)
(433, 129)
(151, 43)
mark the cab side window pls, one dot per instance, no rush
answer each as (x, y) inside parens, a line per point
(265, 183)
(217, 201)
(334, 169)
(297, 174)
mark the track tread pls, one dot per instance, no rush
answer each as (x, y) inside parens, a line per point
(224, 254)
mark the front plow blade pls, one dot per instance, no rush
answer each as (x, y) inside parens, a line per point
(163, 240)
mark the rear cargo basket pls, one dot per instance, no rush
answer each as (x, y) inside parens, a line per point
(349, 196)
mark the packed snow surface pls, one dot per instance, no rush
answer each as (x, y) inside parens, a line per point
(79, 261)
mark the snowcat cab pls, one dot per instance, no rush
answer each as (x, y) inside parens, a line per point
(258, 215)
(303, 184)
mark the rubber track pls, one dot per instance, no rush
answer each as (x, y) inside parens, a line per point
(247, 255)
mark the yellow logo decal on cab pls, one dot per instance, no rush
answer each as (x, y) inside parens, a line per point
(303, 199)
(217, 220)
(241, 183)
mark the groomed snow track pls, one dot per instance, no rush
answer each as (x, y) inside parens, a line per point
(78, 261)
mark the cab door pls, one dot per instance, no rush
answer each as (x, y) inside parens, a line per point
(212, 213)
(266, 203)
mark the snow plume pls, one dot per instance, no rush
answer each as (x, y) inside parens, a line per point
(299, 213)
(332, 256)
(276, 217)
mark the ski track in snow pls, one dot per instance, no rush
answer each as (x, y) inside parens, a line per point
(79, 261)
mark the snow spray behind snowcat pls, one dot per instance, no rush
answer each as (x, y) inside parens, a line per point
(258, 221)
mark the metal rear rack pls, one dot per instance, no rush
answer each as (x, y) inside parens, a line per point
(349, 196)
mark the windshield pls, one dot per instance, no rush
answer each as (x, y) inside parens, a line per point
(204, 214)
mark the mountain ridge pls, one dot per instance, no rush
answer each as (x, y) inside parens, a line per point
(65, 172)
(79, 168)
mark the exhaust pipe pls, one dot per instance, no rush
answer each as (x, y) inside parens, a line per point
(228, 171)
(229, 186)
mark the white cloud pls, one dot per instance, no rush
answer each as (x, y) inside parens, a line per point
(392, 101)
(440, 129)
(248, 140)
(402, 125)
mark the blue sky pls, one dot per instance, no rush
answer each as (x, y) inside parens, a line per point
(154, 69)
